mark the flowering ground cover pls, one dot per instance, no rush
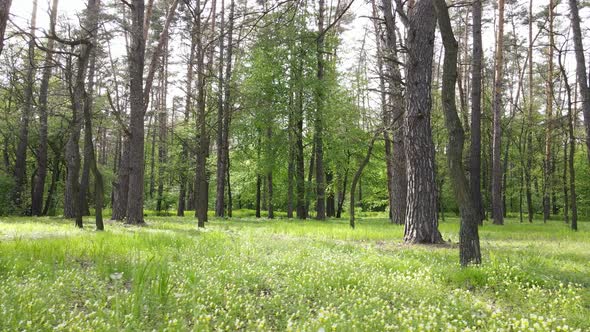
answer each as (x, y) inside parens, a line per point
(285, 275)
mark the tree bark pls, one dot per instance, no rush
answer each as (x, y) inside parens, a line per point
(39, 179)
(497, 208)
(220, 179)
(392, 119)
(4, 12)
(548, 164)
(318, 120)
(469, 250)
(136, 125)
(356, 178)
(475, 148)
(421, 224)
(581, 69)
(20, 165)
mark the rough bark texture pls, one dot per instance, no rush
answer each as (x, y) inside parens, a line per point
(396, 158)
(20, 165)
(136, 124)
(39, 179)
(421, 224)
(469, 250)
(497, 208)
(581, 70)
(4, 12)
(475, 148)
(121, 186)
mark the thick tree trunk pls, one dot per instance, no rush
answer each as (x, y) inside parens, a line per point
(121, 186)
(136, 124)
(475, 148)
(393, 119)
(4, 12)
(497, 209)
(20, 165)
(469, 249)
(421, 224)
(39, 179)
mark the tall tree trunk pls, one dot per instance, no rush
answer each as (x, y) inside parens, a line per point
(39, 180)
(203, 142)
(220, 180)
(421, 224)
(475, 148)
(89, 153)
(497, 209)
(548, 165)
(318, 120)
(187, 111)
(571, 141)
(396, 158)
(581, 70)
(529, 135)
(163, 130)
(20, 166)
(49, 208)
(469, 249)
(299, 158)
(137, 107)
(4, 12)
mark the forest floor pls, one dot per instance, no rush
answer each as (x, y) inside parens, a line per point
(248, 274)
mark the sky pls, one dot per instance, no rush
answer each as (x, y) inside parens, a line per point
(351, 37)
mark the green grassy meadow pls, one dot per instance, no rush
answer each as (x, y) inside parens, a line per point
(288, 275)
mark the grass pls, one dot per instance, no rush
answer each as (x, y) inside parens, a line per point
(248, 274)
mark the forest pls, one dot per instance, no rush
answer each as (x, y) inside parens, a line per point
(300, 165)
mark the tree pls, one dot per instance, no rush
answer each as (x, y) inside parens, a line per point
(20, 165)
(39, 179)
(4, 12)
(469, 237)
(548, 161)
(497, 205)
(475, 147)
(318, 121)
(581, 69)
(421, 224)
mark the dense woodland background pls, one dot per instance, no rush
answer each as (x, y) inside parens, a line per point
(302, 109)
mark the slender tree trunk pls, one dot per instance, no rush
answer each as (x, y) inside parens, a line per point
(203, 142)
(571, 141)
(356, 179)
(20, 165)
(4, 12)
(39, 179)
(475, 148)
(49, 208)
(318, 120)
(220, 180)
(121, 186)
(301, 206)
(497, 209)
(421, 223)
(163, 130)
(258, 194)
(342, 193)
(187, 111)
(548, 166)
(469, 249)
